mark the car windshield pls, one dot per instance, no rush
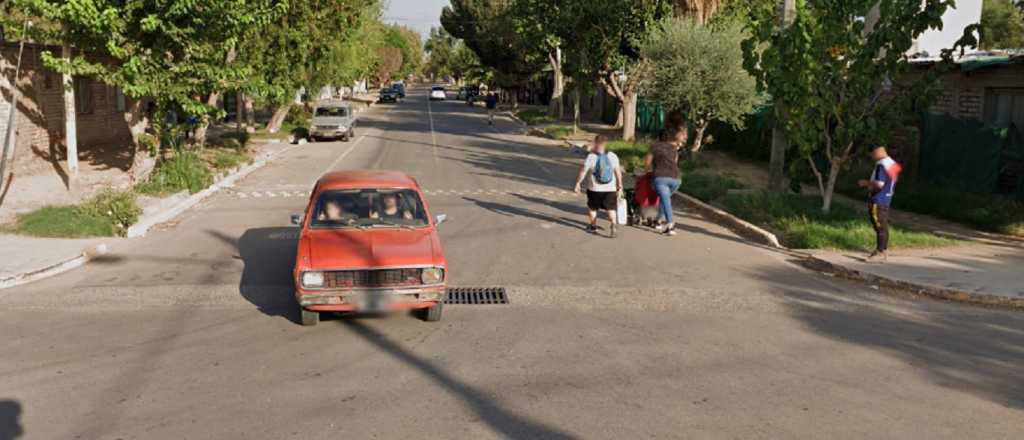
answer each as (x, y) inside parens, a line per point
(332, 111)
(438, 88)
(369, 208)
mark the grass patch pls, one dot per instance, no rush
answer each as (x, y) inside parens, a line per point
(706, 185)
(558, 131)
(108, 214)
(803, 226)
(222, 160)
(185, 171)
(534, 117)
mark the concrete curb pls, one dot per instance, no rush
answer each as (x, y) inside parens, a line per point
(56, 268)
(937, 292)
(741, 227)
(140, 228)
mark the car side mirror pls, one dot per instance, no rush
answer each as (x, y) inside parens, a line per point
(440, 219)
(297, 219)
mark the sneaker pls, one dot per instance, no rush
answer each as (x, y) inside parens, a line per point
(877, 257)
(591, 228)
(611, 232)
(669, 230)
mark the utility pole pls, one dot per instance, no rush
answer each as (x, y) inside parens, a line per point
(11, 133)
(777, 163)
(70, 123)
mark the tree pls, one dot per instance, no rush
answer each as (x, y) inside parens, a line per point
(413, 59)
(606, 40)
(168, 51)
(539, 23)
(488, 29)
(698, 70)
(829, 74)
(700, 10)
(440, 48)
(1002, 25)
(389, 63)
(312, 45)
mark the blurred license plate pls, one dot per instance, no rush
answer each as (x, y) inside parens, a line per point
(375, 302)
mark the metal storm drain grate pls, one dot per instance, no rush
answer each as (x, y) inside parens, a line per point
(476, 295)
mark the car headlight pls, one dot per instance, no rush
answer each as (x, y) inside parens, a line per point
(312, 279)
(432, 275)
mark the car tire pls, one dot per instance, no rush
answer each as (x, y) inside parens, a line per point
(432, 314)
(344, 138)
(352, 133)
(309, 318)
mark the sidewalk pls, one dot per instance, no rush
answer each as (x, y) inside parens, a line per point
(24, 259)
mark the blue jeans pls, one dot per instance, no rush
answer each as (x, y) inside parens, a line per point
(665, 187)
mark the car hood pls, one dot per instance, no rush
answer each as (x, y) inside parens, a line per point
(361, 248)
(331, 120)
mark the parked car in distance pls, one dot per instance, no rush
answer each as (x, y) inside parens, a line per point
(388, 95)
(438, 93)
(399, 88)
(367, 243)
(332, 118)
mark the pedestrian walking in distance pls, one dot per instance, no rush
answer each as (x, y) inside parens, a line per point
(492, 105)
(662, 162)
(881, 188)
(603, 178)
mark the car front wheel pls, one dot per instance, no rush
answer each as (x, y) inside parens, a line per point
(431, 314)
(309, 318)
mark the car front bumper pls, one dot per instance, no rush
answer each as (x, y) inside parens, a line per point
(350, 300)
(331, 132)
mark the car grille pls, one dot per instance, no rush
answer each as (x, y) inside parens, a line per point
(372, 278)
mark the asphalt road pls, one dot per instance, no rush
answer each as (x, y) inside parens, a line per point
(191, 332)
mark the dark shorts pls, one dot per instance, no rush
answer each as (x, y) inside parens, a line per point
(602, 200)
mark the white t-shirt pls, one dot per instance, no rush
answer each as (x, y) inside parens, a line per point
(591, 165)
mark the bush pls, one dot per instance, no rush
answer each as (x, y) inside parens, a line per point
(534, 117)
(298, 116)
(118, 207)
(707, 186)
(803, 225)
(185, 171)
(631, 155)
(109, 213)
(233, 140)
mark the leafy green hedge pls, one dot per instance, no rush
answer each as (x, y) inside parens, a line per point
(108, 214)
(185, 171)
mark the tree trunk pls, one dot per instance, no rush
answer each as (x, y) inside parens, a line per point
(250, 114)
(143, 161)
(629, 116)
(555, 109)
(777, 163)
(830, 186)
(575, 110)
(698, 141)
(200, 135)
(70, 121)
(515, 99)
(278, 118)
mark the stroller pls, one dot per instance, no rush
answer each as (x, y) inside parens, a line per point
(642, 203)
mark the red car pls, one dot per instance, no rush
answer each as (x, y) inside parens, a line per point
(369, 244)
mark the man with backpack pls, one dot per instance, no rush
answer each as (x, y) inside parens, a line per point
(492, 106)
(604, 181)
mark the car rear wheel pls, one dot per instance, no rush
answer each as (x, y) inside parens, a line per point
(431, 314)
(309, 318)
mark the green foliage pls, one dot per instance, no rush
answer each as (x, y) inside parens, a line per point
(185, 171)
(802, 225)
(698, 70)
(707, 185)
(235, 140)
(1002, 25)
(631, 154)
(828, 74)
(117, 207)
(488, 30)
(558, 131)
(534, 117)
(107, 214)
(223, 160)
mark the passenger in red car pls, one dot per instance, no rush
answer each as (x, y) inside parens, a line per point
(390, 209)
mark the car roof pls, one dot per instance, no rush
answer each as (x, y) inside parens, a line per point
(332, 103)
(349, 179)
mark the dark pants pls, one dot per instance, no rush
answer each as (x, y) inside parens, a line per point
(880, 221)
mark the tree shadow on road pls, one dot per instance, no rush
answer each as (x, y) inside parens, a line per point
(515, 211)
(10, 420)
(500, 419)
(966, 348)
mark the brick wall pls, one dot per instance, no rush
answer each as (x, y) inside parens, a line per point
(41, 114)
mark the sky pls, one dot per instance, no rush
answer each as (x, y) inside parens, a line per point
(420, 15)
